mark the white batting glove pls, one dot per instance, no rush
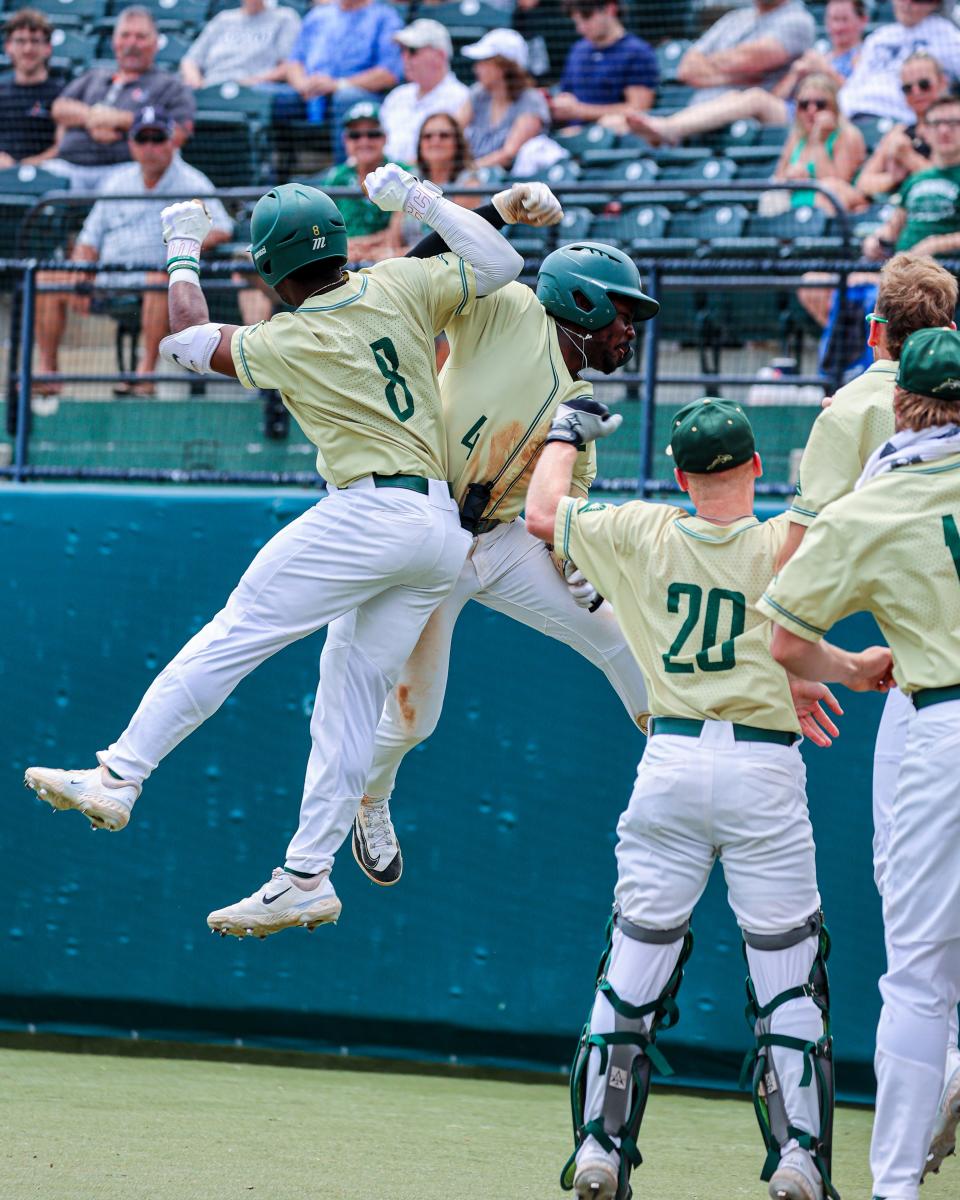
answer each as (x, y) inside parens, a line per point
(188, 219)
(528, 204)
(582, 421)
(581, 589)
(393, 189)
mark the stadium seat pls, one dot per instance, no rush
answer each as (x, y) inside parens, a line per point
(576, 223)
(471, 15)
(639, 230)
(20, 190)
(703, 226)
(172, 14)
(772, 135)
(72, 50)
(700, 170)
(672, 96)
(231, 139)
(634, 170)
(171, 49)
(668, 58)
(744, 132)
(772, 236)
(587, 138)
(753, 162)
(70, 14)
(873, 129)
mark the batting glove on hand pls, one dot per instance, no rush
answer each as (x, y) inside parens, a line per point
(582, 421)
(393, 189)
(582, 590)
(188, 219)
(528, 204)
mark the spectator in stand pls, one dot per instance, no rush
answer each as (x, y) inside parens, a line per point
(873, 89)
(128, 231)
(443, 157)
(822, 145)
(343, 55)
(905, 149)
(372, 234)
(248, 45)
(926, 216)
(504, 111)
(837, 54)
(95, 112)
(748, 49)
(27, 129)
(608, 71)
(426, 50)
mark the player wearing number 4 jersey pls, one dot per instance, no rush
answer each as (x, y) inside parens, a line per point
(914, 292)
(355, 364)
(892, 548)
(721, 777)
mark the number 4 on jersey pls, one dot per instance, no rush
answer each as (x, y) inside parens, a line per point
(469, 439)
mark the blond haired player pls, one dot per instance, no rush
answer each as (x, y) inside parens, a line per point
(514, 357)
(914, 292)
(721, 777)
(892, 548)
(355, 364)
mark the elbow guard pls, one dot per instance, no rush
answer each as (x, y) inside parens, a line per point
(192, 347)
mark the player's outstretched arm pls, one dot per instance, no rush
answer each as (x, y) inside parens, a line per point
(868, 670)
(522, 204)
(194, 341)
(573, 425)
(494, 261)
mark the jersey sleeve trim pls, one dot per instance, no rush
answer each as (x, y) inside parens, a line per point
(465, 286)
(783, 616)
(243, 358)
(802, 516)
(562, 524)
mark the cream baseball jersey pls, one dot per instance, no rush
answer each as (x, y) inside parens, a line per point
(500, 387)
(356, 366)
(685, 593)
(892, 549)
(842, 439)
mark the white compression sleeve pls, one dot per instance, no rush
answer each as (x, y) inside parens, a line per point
(494, 260)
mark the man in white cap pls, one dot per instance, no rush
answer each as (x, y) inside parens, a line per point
(426, 50)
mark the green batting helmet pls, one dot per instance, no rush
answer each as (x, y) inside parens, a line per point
(293, 225)
(577, 282)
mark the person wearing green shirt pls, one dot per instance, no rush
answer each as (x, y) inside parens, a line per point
(372, 234)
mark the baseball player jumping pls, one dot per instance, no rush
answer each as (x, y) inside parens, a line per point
(914, 292)
(891, 547)
(355, 364)
(721, 777)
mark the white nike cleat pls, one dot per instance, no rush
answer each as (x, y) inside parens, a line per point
(280, 904)
(597, 1175)
(796, 1178)
(106, 802)
(375, 845)
(944, 1140)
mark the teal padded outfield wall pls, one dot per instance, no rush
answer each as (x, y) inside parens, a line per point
(486, 949)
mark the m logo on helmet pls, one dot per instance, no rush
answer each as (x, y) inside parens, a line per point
(319, 243)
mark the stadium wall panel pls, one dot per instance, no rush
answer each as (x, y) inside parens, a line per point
(486, 950)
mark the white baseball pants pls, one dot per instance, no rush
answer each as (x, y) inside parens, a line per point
(921, 987)
(510, 571)
(386, 557)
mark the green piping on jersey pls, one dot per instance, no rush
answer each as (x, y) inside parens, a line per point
(243, 357)
(566, 528)
(339, 303)
(717, 541)
(466, 289)
(930, 470)
(803, 512)
(789, 615)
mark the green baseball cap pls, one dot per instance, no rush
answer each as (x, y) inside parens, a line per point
(363, 110)
(711, 435)
(930, 364)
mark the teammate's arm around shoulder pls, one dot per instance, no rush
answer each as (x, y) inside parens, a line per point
(494, 261)
(194, 341)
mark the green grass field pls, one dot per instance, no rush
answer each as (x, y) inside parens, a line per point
(92, 1127)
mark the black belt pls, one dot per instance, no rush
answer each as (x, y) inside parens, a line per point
(688, 727)
(927, 696)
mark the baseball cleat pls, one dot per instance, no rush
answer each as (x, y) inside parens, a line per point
(375, 845)
(280, 904)
(796, 1178)
(944, 1140)
(105, 802)
(597, 1176)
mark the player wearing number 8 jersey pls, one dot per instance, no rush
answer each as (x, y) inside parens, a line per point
(355, 364)
(892, 548)
(721, 777)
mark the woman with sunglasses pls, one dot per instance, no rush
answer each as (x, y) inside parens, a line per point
(905, 149)
(822, 145)
(444, 158)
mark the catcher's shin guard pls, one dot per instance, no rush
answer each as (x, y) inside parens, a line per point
(760, 1067)
(625, 1057)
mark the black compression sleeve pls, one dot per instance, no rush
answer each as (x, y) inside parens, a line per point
(433, 243)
